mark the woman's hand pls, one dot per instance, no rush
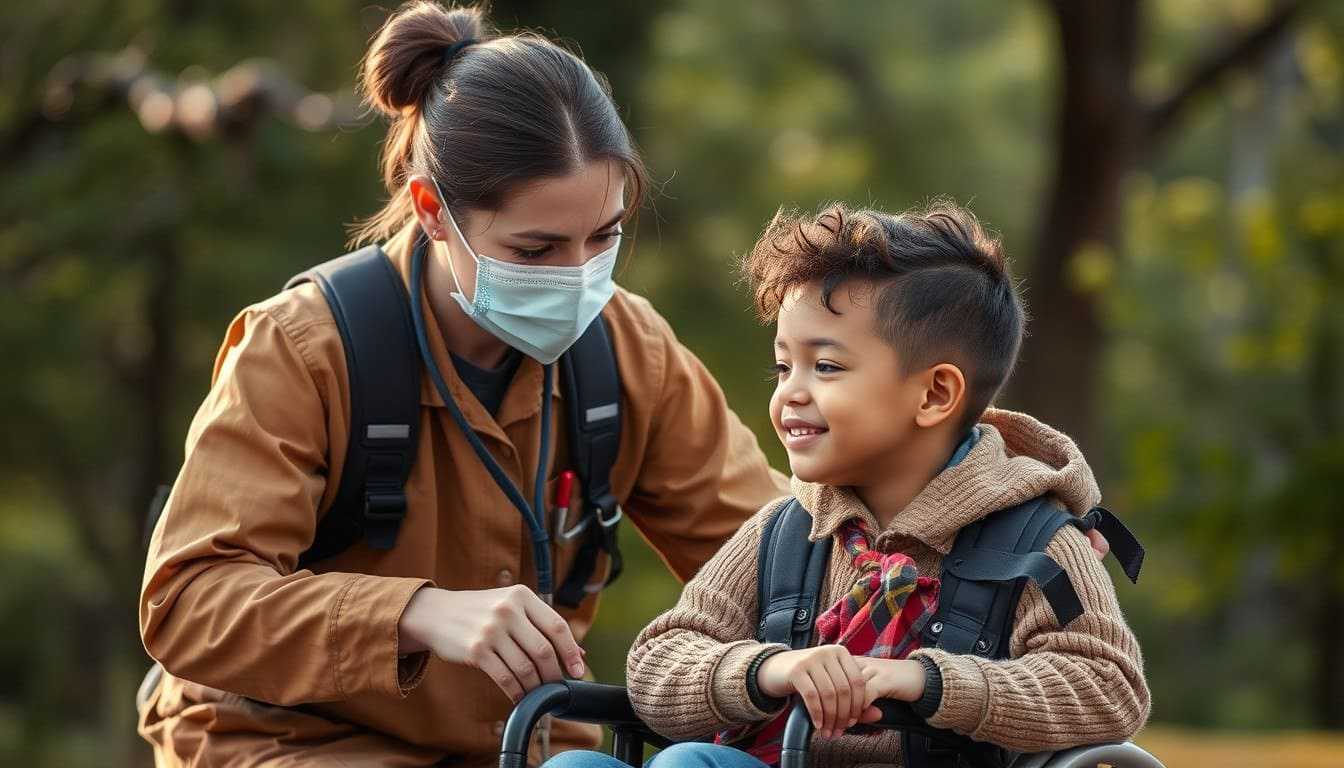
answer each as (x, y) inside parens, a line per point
(831, 683)
(507, 633)
(900, 679)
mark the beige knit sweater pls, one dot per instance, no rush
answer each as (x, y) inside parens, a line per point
(1060, 688)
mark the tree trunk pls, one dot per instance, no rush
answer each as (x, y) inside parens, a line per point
(1096, 129)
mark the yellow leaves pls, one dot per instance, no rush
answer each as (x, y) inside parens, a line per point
(1091, 269)
(1189, 201)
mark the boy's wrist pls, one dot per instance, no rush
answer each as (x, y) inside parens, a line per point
(760, 699)
(928, 702)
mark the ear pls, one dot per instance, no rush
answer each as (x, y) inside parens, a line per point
(428, 207)
(944, 395)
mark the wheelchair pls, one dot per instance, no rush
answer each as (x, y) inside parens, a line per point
(609, 705)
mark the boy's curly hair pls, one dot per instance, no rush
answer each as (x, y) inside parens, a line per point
(943, 289)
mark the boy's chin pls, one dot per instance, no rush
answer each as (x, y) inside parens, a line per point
(810, 471)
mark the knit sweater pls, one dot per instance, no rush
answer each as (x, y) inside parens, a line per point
(1059, 688)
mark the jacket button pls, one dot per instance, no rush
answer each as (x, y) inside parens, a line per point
(499, 728)
(505, 579)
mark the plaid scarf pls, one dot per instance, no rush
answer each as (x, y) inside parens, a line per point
(882, 617)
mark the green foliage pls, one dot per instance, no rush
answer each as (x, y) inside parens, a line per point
(1225, 365)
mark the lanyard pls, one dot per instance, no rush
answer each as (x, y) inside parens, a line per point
(532, 515)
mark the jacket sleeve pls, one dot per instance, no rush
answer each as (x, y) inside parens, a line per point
(703, 472)
(222, 603)
(687, 670)
(1062, 688)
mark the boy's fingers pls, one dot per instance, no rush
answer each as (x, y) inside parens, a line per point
(858, 686)
(871, 714)
(803, 685)
(843, 695)
(825, 699)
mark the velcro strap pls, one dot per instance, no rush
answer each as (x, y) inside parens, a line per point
(1124, 544)
(991, 565)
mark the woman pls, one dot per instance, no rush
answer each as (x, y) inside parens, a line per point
(506, 162)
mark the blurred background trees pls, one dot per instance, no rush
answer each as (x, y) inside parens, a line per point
(1167, 175)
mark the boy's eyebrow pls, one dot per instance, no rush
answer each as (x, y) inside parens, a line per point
(551, 237)
(816, 343)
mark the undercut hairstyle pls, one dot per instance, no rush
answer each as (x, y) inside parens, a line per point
(941, 285)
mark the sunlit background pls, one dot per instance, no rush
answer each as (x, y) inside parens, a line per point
(1168, 177)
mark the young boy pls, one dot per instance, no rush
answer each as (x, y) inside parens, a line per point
(894, 334)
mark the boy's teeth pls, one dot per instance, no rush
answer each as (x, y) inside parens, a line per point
(800, 431)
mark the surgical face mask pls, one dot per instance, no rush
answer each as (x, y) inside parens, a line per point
(538, 310)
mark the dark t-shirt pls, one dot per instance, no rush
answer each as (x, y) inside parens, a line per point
(489, 384)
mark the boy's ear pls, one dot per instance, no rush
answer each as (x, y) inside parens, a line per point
(944, 393)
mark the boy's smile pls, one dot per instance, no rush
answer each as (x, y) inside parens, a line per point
(841, 407)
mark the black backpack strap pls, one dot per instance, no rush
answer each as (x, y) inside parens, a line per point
(1124, 544)
(369, 302)
(981, 584)
(593, 394)
(984, 574)
(787, 593)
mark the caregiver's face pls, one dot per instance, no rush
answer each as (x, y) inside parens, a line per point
(560, 221)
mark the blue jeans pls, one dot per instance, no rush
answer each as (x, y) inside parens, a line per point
(687, 754)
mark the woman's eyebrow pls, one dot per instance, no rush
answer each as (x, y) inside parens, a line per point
(551, 237)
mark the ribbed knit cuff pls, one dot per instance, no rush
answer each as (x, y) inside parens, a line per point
(759, 699)
(965, 696)
(933, 688)
(728, 684)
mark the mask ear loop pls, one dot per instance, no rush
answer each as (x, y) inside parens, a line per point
(452, 270)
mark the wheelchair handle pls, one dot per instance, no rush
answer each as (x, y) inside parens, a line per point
(569, 700)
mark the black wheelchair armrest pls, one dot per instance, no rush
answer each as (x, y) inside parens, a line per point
(576, 700)
(896, 715)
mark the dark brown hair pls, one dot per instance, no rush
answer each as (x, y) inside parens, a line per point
(501, 112)
(944, 293)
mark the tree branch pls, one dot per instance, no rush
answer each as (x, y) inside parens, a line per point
(1243, 51)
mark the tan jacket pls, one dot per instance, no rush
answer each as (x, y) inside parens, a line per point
(1061, 688)
(309, 659)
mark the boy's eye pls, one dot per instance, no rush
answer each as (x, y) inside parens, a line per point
(779, 369)
(828, 368)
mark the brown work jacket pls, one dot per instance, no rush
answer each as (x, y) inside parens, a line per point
(268, 664)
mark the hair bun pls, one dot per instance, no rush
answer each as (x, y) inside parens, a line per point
(407, 55)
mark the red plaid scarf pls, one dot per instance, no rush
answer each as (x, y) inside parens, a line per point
(882, 616)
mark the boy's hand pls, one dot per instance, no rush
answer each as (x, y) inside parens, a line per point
(829, 680)
(901, 679)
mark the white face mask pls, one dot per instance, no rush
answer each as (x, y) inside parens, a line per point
(538, 310)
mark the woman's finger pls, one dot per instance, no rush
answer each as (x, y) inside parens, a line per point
(556, 630)
(498, 671)
(538, 649)
(524, 671)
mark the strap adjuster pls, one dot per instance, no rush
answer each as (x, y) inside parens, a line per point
(608, 511)
(384, 507)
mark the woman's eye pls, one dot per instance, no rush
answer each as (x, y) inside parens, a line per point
(828, 368)
(607, 237)
(526, 253)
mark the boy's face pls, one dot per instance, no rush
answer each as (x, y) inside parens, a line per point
(841, 406)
